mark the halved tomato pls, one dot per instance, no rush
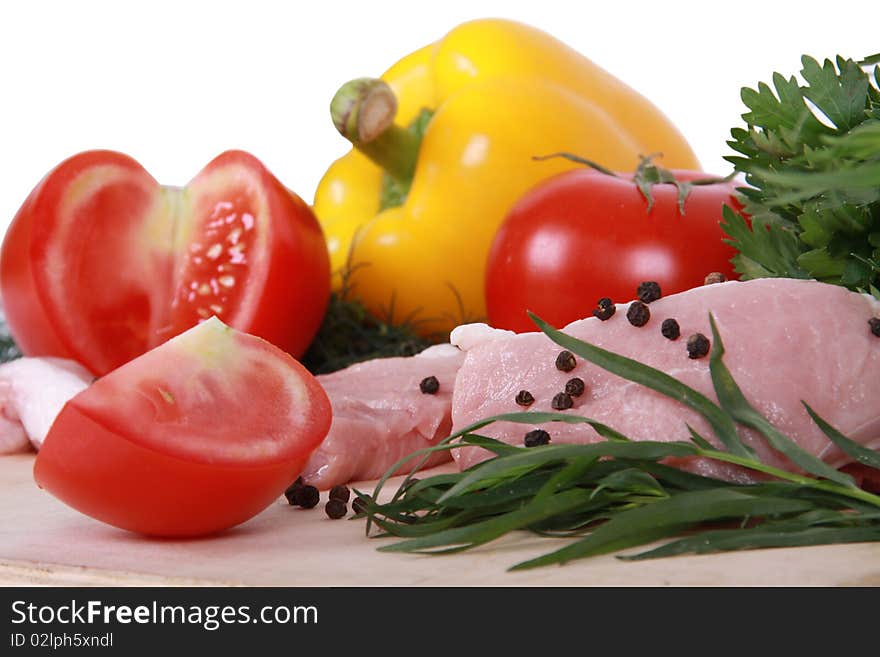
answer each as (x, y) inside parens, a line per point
(195, 436)
(102, 263)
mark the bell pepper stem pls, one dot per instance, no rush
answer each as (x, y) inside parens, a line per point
(363, 112)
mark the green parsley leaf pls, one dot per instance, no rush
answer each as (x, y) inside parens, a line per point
(810, 154)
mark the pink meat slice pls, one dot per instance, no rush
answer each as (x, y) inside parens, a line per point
(785, 341)
(32, 393)
(380, 415)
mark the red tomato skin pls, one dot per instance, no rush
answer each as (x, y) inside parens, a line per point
(108, 477)
(29, 314)
(25, 313)
(584, 235)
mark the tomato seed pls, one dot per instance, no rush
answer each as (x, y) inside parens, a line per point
(714, 277)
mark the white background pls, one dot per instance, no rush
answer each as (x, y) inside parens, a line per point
(175, 83)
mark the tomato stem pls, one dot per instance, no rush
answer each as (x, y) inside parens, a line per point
(580, 160)
(646, 175)
(363, 112)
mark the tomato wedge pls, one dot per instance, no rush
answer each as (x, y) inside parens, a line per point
(102, 263)
(195, 436)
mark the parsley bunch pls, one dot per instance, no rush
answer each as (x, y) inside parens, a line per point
(811, 155)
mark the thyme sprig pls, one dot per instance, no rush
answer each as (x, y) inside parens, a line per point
(617, 494)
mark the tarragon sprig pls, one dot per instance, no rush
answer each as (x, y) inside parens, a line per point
(617, 494)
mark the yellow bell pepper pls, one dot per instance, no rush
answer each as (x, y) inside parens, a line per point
(501, 92)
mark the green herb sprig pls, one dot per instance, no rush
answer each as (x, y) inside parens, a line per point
(350, 334)
(616, 494)
(8, 349)
(811, 156)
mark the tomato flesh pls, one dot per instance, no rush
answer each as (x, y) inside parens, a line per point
(214, 267)
(195, 436)
(102, 263)
(584, 235)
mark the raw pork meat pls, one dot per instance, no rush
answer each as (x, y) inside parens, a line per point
(786, 341)
(381, 415)
(32, 393)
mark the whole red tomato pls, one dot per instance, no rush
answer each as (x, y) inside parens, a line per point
(585, 234)
(102, 263)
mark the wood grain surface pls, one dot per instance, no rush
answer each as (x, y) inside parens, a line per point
(43, 542)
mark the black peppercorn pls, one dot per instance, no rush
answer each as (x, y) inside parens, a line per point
(360, 503)
(429, 385)
(575, 387)
(565, 361)
(638, 313)
(536, 437)
(290, 493)
(340, 493)
(306, 496)
(648, 291)
(562, 402)
(605, 309)
(697, 345)
(335, 508)
(714, 277)
(874, 323)
(524, 398)
(670, 329)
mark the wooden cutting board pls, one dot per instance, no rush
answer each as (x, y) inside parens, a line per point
(44, 542)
